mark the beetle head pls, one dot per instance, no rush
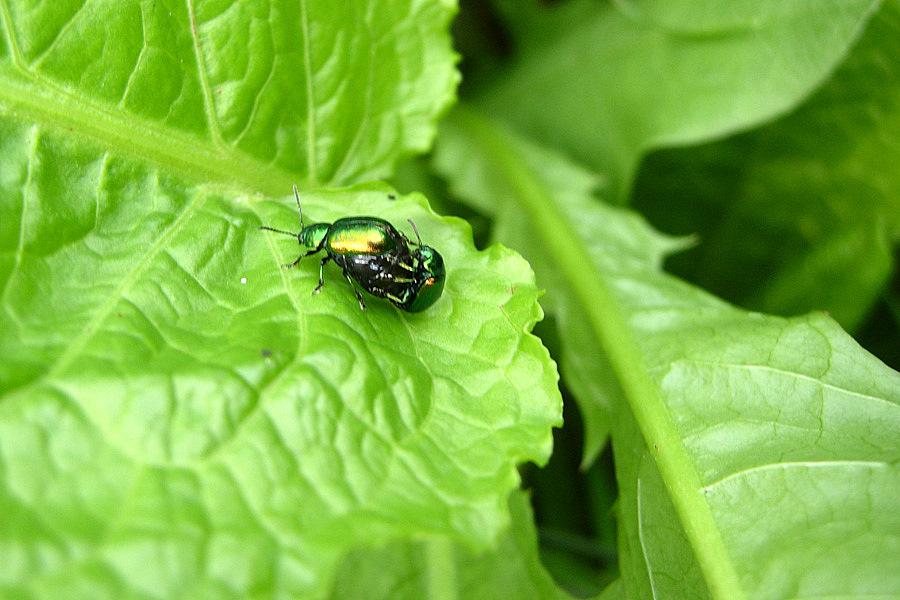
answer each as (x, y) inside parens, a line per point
(430, 277)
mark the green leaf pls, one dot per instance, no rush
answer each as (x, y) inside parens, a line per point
(258, 93)
(626, 240)
(630, 76)
(800, 214)
(172, 396)
(756, 456)
(179, 416)
(614, 591)
(434, 568)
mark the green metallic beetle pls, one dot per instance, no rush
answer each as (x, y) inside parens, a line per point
(380, 259)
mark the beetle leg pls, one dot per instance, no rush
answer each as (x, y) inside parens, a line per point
(396, 261)
(394, 299)
(321, 273)
(301, 257)
(359, 297)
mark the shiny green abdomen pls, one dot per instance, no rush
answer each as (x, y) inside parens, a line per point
(360, 236)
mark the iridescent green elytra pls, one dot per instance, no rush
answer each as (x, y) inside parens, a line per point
(380, 259)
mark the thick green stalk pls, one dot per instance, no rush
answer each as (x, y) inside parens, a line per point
(562, 243)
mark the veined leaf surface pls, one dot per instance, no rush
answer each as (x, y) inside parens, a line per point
(756, 456)
(179, 416)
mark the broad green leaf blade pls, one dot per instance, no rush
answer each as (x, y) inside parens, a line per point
(757, 457)
(655, 556)
(630, 76)
(615, 591)
(583, 362)
(437, 569)
(181, 417)
(800, 214)
(262, 93)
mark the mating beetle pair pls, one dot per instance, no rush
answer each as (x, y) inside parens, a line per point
(380, 259)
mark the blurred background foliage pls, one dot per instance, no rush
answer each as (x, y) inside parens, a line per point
(799, 212)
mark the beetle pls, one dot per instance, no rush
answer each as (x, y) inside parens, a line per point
(373, 254)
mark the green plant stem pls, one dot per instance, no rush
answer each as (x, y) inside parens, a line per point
(665, 445)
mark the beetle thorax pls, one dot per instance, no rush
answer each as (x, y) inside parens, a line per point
(313, 235)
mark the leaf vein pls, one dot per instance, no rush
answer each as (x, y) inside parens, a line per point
(255, 109)
(20, 247)
(641, 537)
(79, 341)
(797, 464)
(310, 98)
(11, 40)
(204, 81)
(807, 378)
(364, 121)
(137, 63)
(59, 36)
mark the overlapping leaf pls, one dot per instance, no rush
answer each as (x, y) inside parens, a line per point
(179, 416)
(756, 456)
(172, 395)
(263, 93)
(436, 568)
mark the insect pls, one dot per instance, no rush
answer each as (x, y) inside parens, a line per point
(375, 256)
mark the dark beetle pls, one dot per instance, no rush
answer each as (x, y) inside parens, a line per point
(380, 259)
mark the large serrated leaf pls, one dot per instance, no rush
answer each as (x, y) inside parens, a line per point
(263, 93)
(171, 395)
(756, 456)
(179, 416)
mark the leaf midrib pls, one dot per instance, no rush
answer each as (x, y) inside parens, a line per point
(28, 96)
(615, 337)
(44, 103)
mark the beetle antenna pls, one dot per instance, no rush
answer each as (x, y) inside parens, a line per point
(418, 237)
(299, 210)
(290, 233)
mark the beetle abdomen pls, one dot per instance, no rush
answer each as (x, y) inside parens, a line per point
(362, 235)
